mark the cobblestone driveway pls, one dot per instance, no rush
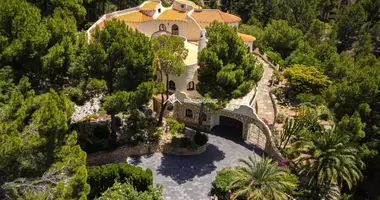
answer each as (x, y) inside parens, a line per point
(191, 177)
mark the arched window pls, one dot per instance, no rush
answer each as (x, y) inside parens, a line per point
(190, 85)
(171, 85)
(188, 113)
(170, 107)
(175, 30)
(162, 27)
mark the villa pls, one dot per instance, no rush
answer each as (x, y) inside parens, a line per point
(188, 21)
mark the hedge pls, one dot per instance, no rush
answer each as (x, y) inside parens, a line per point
(103, 177)
(200, 139)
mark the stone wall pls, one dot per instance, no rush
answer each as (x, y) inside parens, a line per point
(274, 103)
(122, 153)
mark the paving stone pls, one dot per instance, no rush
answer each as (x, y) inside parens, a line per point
(191, 177)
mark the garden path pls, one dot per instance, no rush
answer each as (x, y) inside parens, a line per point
(265, 107)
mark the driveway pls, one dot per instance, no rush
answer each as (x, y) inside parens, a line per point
(191, 177)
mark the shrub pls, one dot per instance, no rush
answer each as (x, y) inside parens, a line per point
(75, 95)
(200, 139)
(181, 142)
(103, 177)
(310, 98)
(100, 131)
(184, 143)
(222, 181)
(156, 135)
(274, 57)
(280, 95)
(307, 79)
(280, 118)
(325, 113)
(127, 191)
(174, 125)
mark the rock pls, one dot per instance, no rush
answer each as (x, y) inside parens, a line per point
(90, 107)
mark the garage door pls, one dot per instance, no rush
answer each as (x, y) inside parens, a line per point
(230, 122)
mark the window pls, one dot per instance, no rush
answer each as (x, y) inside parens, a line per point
(159, 10)
(171, 85)
(183, 5)
(190, 85)
(189, 113)
(175, 30)
(249, 49)
(170, 107)
(204, 116)
(162, 27)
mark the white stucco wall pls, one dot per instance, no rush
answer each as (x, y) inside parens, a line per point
(214, 120)
(188, 29)
(235, 24)
(178, 6)
(250, 45)
(182, 81)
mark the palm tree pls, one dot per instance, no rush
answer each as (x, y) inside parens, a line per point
(328, 157)
(263, 179)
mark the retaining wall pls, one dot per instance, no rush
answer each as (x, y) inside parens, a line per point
(122, 153)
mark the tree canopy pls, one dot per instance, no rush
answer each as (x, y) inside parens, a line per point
(227, 70)
(123, 59)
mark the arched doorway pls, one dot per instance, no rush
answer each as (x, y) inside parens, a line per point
(229, 128)
(171, 85)
(175, 29)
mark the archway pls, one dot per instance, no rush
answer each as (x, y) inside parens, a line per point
(171, 85)
(229, 128)
(175, 29)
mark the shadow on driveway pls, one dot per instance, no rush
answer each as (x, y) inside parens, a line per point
(235, 135)
(181, 170)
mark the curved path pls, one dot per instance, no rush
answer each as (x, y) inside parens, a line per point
(265, 106)
(191, 177)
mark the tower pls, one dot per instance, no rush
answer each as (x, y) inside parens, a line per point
(202, 40)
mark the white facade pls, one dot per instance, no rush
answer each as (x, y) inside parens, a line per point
(182, 18)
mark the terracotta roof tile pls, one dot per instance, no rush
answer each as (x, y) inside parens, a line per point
(189, 3)
(135, 16)
(173, 15)
(206, 17)
(149, 5)
(246, 38)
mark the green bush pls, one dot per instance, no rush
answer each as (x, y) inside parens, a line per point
(279, 93)
(325, 113)
(174, 125)
(310, 98)
(181, 142)
(101, 131)
(200, 139)
(274, 57)
(127, 191)
(222, 181)
(75, 95)
(280, 118)
(156, 135)
(103, 177)
(306, 79)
